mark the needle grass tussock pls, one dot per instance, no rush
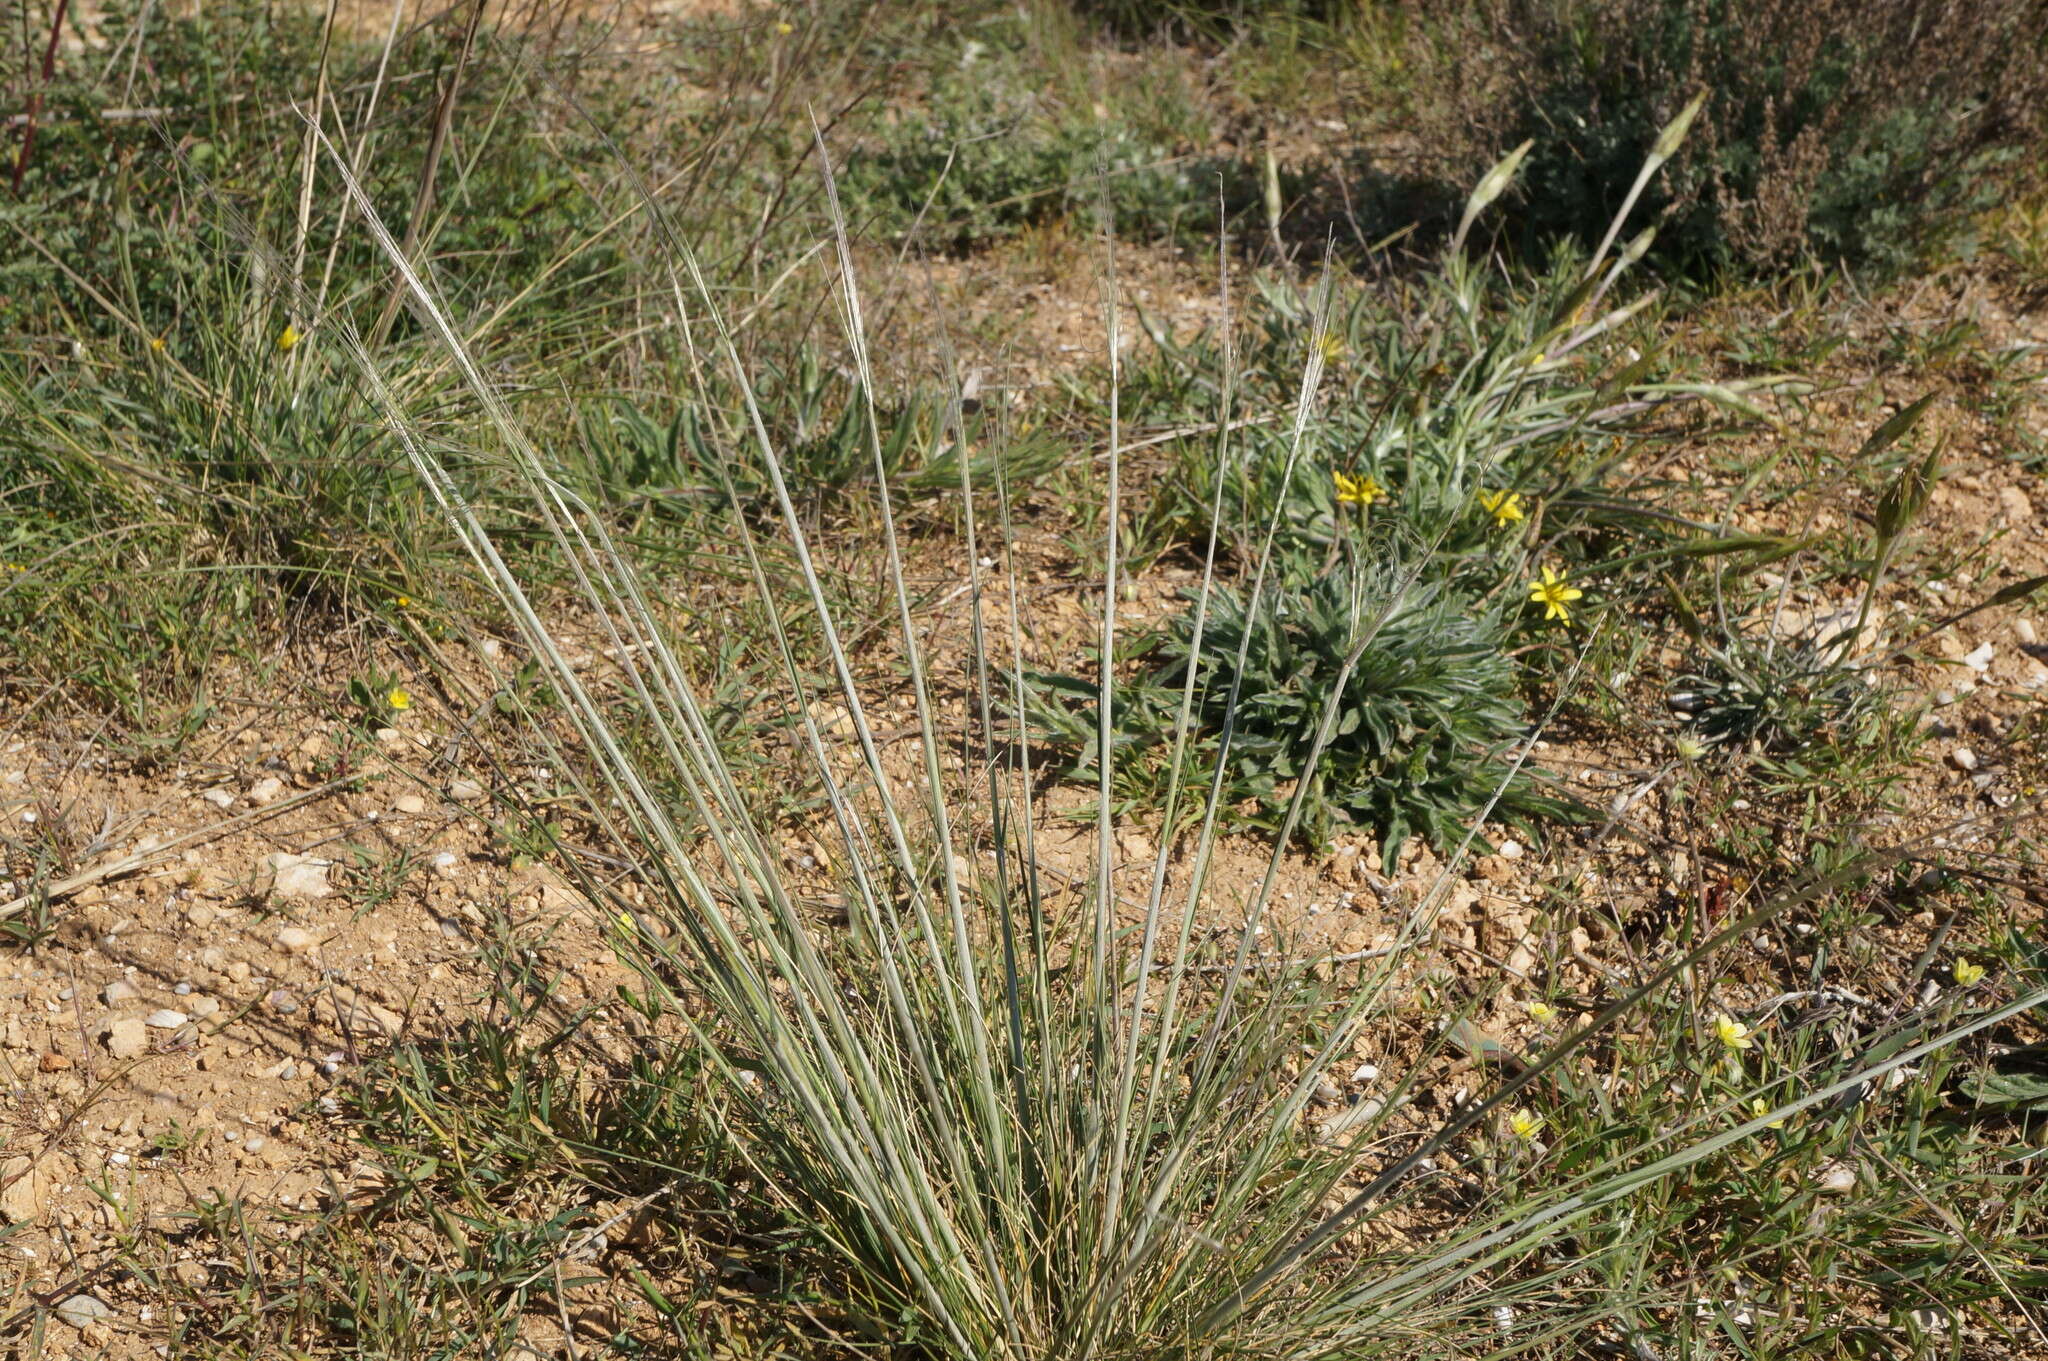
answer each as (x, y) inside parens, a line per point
(1027, 1125)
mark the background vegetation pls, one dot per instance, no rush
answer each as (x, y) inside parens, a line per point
(1544, 339)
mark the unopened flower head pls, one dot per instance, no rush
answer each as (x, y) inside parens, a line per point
(289, 337)
(1968, 973)
(1542, 1012)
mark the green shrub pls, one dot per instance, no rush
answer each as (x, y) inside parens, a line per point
(1424, 716)
(990, 150)
(1861, 131)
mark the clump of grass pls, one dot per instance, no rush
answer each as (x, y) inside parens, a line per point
(1024, 1127)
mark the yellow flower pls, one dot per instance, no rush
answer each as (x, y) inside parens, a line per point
(1540, 1012)
(399, 698)
(1504, 506)
(1536, 358)
(785, 28)
(1759, 1108)
(156, 344)
(624, 921)
(1358, 491)
(1525, 1124)
(1734, 1034)
(404, 602)
(1968, 973)
(288, 337)
(1553, 593)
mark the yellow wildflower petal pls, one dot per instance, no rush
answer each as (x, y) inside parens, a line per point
(1541, 1012)
(1968, 973)
(399, 698)
(1734, 1034)
(288, 337)
(1759, 1108)
(1525, 1124)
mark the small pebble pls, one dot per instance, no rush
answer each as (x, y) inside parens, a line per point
(82, 1311)
(465, 791)
(66, 994)
(1963, 758)
(1836, 1179)
(219, 798)
(444, 864)
(410, 804)
(282, 1002)
(118, 992)
(166, 1019)
(296, 939)
(183, 989)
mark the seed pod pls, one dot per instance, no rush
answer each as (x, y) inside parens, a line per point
(1907, 496)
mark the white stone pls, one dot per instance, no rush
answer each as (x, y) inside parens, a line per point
(166, 1019)
(1962, 758)
(82, 1311)
(219, 797)
(2023, 629)
(266, 790)
(297, 939)
(295, 876)
(465, 791)
(1836, 1179)
(1979, 659)
(412, 805)
(118, 992)
(445, 863)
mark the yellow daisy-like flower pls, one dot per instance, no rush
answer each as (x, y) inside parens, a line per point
(1541, 1012)
(404, 602)
(1554, 594)
(1734, 1034)
(1504, 506)
(156, 344)
(399, 697)
(288, 337)
(1525, 1124)
(1968, 973)
(1759, 1108)
(1362, 490)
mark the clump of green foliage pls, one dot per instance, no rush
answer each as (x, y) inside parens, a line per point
(992, 150)
(1858, 131)
(1422, 702)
